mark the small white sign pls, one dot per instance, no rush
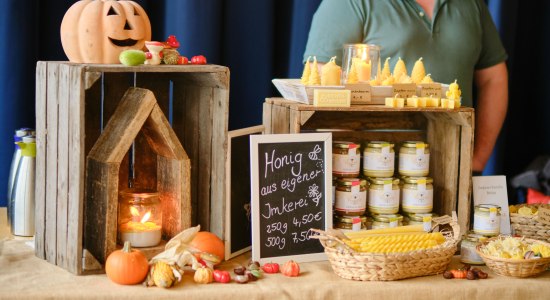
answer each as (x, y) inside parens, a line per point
(493, 190)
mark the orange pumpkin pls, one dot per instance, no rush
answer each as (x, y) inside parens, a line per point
(208, 242)
(127, 265)
(97, 31)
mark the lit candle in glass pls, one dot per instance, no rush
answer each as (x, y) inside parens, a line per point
(139, 218)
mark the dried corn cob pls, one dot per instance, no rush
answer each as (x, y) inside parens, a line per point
(396, 243)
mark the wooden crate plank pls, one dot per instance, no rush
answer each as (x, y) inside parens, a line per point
(145, 164)
(266, 116)
(280, 122)
(51, 163)
(62, 164)
(40, 185)
(206, 120)
(294, 118)
(76, 158)
(100, 230)
(191, 142)
(171, 189)
(465, 171)
(219, 156)
(366, 120)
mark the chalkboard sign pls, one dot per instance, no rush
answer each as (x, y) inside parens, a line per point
(291, 194)
(238, 226)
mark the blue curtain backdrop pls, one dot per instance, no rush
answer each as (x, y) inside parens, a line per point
(262, 40)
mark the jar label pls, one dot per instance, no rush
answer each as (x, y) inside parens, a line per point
(414, 162)
(384, 201)
(356, 224)
(414, 200)
(486, 224)
(346, 164)
(378, 161)
(352, 202)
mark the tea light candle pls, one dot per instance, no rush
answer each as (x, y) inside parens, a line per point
(146, 234)
(395, 101)
(432, 101)
(331, 73)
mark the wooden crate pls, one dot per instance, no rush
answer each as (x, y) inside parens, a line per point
(449, 132)
(74, 103)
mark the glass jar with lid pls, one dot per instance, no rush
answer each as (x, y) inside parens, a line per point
(351, 196)
(346, 159)
(417, 219)
(417, 195)
(383, 195)
(139, 217)
(378, 159)
(414, 158)
(468, 254)
(353, 223)
(386, 220)
(487, 219)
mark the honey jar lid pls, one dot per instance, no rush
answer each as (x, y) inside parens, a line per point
(379, 144)
(419, 217)
(351, 182)
(410, 179)
(487, 207)
(384, 180)
(415, 144)
(349, 219)
(344, 145)
(386, 218)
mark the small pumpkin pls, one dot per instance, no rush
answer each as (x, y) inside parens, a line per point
(97, 31)
(210, 243)
(127, 266)
(203, 275)
(291, 269)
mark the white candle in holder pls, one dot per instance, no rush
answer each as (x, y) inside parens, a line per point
(139, 234)
(139, 218)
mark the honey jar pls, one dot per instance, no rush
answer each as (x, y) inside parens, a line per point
(487, 219)
(378, 159)
(386, 220)
(414, 159)
(353, 223)
(351, 197)
(383, 195)
(468, 254)
(417, 195)
(346, 159)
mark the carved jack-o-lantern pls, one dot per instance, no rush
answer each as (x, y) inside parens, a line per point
(97, 31)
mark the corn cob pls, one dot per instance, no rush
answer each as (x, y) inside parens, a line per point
(396, 243)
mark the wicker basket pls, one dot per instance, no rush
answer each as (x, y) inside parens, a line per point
(514, 267)
(529, 226)
(363, 266)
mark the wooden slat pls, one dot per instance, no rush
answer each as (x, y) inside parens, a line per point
(76, 181)
(206, 119)
(220, 105)
(294, 121)
(266, 117)
(190, 144)
(40, 185)
(62, 164)
(160, 136)
(280, 122)
(145, 164)
(51, 163)
(465, 171)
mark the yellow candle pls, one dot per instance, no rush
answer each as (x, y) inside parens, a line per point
(307, 71)
(352, 74)
(331, 73)
(432, 101)
(418, 72)
(395, 101)
(400, 68)
(363, 69)
(386, 71)
(427, 79)
(314, 78)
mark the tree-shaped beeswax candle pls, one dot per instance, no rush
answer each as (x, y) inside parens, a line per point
(352, 74)
(386, 71)
(307, 71)
(399, 69)
(314, 78)
(418, 71)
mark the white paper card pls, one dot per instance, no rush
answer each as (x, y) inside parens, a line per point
(493, 190)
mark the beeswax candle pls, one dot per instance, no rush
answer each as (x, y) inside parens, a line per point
(307, 71)
(314, 78)
(331, 73)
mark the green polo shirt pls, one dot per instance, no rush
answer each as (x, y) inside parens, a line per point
(461, 38)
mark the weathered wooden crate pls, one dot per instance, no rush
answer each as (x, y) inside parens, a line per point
(449, 132)
(74, 103)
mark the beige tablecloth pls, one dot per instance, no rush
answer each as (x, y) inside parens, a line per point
(24, 276)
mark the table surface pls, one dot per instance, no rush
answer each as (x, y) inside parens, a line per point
(24, 276)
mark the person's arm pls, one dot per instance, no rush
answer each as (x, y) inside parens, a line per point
(492, 103)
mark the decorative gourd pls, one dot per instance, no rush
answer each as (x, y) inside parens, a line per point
(127, 265)
(163, 275)
(203, 275)
(208, 242)
(290, 268)
(97, 31)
